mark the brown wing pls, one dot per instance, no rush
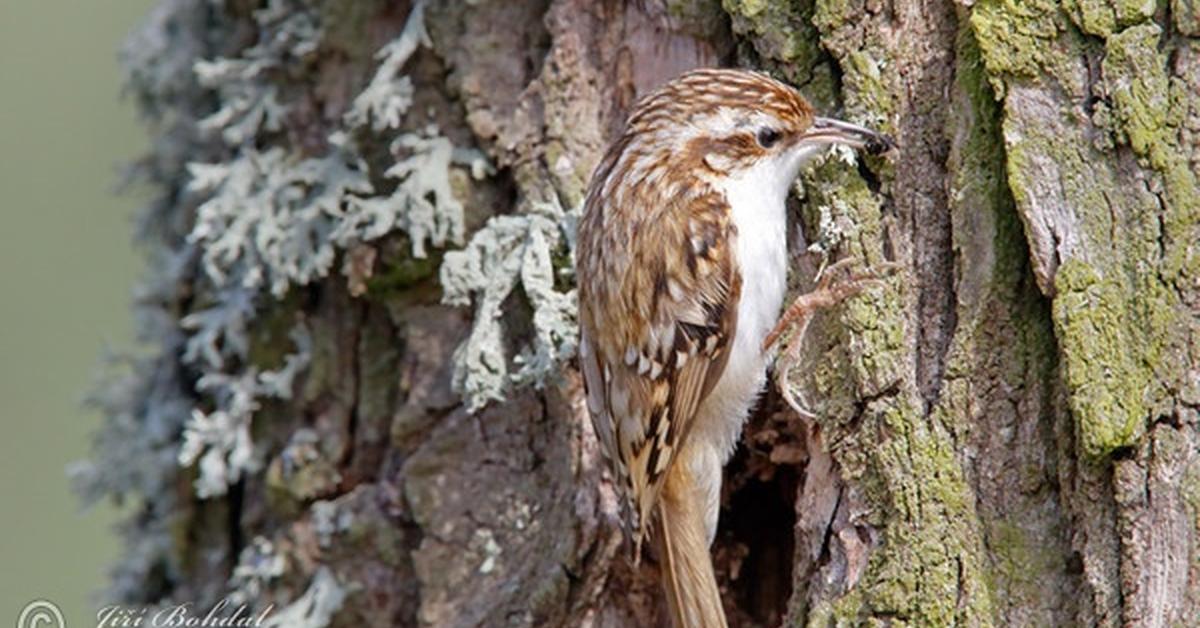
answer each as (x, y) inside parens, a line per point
(658, 313)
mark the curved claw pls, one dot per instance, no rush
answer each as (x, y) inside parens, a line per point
(789, 395)
(828, 292)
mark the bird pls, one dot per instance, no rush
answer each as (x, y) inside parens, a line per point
(681, 270)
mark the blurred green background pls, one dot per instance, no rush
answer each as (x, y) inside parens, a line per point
(66, 269)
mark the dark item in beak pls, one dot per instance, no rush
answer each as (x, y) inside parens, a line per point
(830, 131)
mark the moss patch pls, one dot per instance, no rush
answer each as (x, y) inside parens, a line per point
(1109, 387)
(927, 573)
(786, 44)
(1021, 39)
(1150, 108)
(1106, 236)
(1104, 17)
(401, 272)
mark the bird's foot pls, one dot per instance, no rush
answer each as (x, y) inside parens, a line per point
(835, 283)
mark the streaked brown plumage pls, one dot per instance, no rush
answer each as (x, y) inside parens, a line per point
(681, 268)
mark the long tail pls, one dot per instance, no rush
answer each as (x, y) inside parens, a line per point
(687, 572)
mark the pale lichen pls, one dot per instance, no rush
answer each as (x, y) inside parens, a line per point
(269, 217)
(324, 597)
(158, 56)
(258, 566)
(511, 251)
(250, 104)
(245, 215)
(272, 219)
(423, 204)
(145, 395)
(220, 439)
(302, 471)
(388, 96)
(329, 521)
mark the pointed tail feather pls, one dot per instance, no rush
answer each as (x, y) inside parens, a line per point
(687, 572)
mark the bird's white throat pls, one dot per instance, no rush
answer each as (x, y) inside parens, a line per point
(757, 198)
(757, 202)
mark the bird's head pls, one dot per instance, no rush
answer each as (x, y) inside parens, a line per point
(736, 123)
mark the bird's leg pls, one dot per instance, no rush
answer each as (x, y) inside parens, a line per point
(829, 291)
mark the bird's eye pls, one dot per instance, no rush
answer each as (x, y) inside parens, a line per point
(767, 137)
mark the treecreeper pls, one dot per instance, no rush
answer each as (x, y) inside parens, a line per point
(682, 269)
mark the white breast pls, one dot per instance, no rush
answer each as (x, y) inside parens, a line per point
(761, 249)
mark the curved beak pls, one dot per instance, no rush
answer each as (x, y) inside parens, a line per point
(830, 131)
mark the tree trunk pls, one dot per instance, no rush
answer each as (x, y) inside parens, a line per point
(357, 400)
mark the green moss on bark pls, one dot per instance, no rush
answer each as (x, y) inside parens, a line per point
(1104, 17)
(841, 212)
(402, 272)
(928, 569)
(1109, 387)
(869, 84)
(1016, 37)
(1106, 239)
(1138, 85)
(698, 17)
(927, 573)
(1030, 41)
(787, 44)
(1150, 109)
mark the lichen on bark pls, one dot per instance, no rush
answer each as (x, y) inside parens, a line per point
(1006, 427)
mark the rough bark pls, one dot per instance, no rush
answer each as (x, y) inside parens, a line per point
(348, 419)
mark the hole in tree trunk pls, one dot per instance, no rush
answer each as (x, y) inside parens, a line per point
(755, 540)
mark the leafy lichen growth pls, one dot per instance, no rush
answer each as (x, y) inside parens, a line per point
(423, 204)
(511, 251)
(389, 94)
(245, 215)
(146, 396)
(314, 609)
(220, 439)
(272, 219)
(250, 99)
(259, 564)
